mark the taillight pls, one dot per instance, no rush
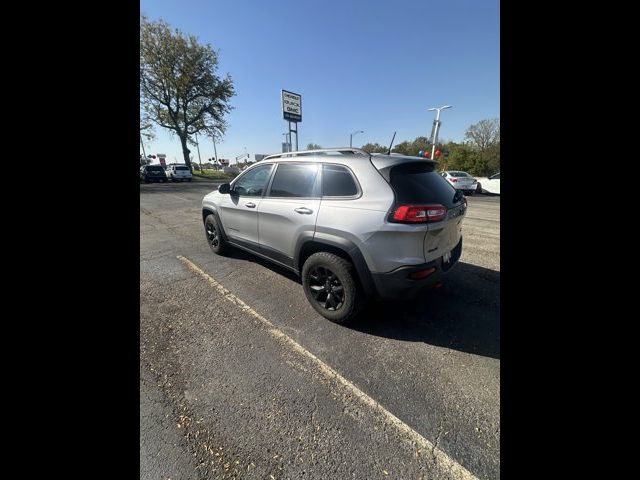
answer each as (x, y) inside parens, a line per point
(453, 180)
(419, 213)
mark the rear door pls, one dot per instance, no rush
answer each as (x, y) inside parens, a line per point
(289, 209)
(419, 184)
(239, 209)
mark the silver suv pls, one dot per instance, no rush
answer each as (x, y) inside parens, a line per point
(354, 226)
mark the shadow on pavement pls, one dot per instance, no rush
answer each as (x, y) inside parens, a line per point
(464, 314)
(242, 255)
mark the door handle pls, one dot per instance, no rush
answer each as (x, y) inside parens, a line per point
(303, 210)
(250, 205)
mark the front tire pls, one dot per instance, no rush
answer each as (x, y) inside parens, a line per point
(214, 236)
(331, 288)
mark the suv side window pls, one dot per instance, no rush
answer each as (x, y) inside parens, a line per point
(337, 181)
(294, 180)
(253, 183)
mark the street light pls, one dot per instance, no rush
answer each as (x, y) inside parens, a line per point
(436, 127)
(351, 137)
(287, 140)
(199, 159)
(215, 151)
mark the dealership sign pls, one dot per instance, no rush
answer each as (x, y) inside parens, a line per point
(291, 106)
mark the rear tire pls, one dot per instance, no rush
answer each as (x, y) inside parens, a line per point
(213, 233)
(331, 287)
(479, 188)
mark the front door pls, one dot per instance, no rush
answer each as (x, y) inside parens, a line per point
(239, 210)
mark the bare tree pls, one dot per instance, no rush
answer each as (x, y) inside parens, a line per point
(484, 134)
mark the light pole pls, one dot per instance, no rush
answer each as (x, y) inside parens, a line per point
(215, 152)
(287, 140)
(198, 147)
(351, 137)
(142, 143)
(436, 127)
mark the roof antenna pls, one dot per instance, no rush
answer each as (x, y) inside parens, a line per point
(394, 136)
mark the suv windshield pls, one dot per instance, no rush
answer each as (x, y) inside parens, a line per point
(419, 183)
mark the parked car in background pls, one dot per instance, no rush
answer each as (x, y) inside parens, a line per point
(352, 225)
(461, 181)
(153, 173)
(490, 184)
(178, 173)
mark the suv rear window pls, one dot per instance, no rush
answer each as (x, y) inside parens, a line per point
(419, 183)
(183, 168)
(337, 181)
(155, 168)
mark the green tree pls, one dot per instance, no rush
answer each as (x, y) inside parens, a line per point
(179, 87)
(412, 148)
(313, 146)
(461, 157)
(375, 148)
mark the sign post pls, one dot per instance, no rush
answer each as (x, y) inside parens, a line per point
(292, 111)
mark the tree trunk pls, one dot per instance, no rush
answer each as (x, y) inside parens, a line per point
(185, 151)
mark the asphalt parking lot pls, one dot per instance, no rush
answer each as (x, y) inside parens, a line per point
(241, 378)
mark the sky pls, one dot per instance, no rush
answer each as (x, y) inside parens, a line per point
(375, 66)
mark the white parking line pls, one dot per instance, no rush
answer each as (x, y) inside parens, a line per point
(178, 197)
(441, 459)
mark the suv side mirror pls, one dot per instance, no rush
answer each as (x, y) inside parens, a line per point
(224, 188)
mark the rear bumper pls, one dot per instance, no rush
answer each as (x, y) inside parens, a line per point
(396, 285)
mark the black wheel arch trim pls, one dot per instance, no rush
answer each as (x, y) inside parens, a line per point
(206, 211)
(345, 245)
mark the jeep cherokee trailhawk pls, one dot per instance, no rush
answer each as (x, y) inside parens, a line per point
(354, 226)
